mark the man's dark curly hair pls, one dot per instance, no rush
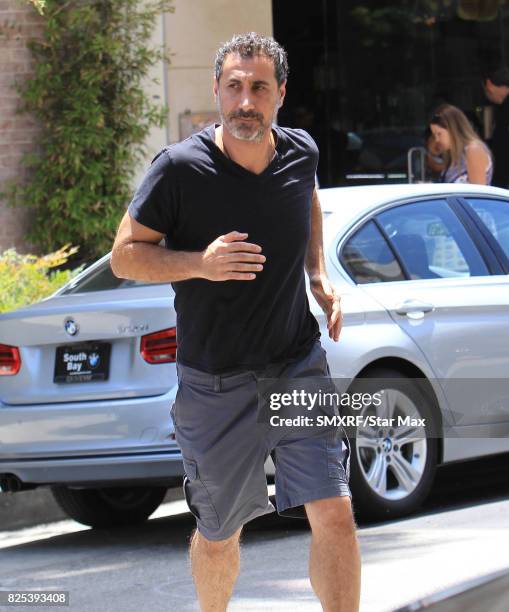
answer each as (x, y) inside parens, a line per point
(249, 45)
(498, 75)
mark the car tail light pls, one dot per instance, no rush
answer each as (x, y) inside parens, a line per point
(10, 361)
(160, 347)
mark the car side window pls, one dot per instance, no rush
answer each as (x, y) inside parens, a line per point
(495, 216)
(431, 241)
(100, 279)
(368, 258)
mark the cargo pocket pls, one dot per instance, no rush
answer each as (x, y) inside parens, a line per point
(173, 409)
(197, 496)
(338, 455)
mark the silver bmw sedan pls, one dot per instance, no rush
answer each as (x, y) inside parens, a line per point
(87, 376)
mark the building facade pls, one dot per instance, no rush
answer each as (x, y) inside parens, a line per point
(364, 77)
(368, 74)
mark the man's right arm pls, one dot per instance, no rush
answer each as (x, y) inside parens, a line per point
(137, 255)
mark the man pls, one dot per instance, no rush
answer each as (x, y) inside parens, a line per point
(237, 206)
(496, 87)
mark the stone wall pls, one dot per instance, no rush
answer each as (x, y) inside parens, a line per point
(18, 133)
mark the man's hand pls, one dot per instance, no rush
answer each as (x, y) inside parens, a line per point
(229, 258)
(325, 294)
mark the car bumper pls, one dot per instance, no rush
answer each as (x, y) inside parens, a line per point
(99, 470)
(100, 442)
(136, 425)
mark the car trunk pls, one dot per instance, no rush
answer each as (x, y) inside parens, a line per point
(102, 360)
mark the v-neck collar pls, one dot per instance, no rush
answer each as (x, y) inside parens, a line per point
(233, 165)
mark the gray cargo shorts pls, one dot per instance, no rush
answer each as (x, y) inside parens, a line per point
(224, 449)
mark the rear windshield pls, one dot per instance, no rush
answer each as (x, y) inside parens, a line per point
(101, 279)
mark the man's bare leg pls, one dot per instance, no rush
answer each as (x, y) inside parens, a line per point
(215, 566)
(334, 560)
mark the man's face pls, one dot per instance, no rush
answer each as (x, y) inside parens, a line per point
(248, 96)
(495, 93)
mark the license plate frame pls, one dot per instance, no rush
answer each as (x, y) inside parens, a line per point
(82, 362)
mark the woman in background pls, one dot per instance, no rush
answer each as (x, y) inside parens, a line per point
(467, 158)
(434, 159)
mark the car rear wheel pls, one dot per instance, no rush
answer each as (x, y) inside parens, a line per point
(109, 507)
(393, 466)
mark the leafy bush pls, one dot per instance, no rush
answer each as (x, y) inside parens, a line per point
(89, 97)
(25, 279)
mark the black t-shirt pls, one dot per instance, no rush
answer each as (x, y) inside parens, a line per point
(193, 194)
(500, 145)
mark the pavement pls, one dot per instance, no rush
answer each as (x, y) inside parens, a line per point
(459, 534)
(130, 569)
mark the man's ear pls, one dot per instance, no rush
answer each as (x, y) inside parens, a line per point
(282, 93)
(215, 88)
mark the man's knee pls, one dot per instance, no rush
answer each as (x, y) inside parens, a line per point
(333, 515)
(216, 547)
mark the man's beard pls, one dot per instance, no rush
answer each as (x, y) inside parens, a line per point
(252, 131)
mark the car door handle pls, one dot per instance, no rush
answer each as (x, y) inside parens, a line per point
(414, 307)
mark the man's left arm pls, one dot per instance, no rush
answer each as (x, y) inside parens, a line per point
(321, 288)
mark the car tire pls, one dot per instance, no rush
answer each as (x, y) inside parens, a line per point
(376, 503)
(109, 507)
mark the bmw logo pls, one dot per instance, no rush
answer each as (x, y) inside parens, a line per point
(93, 360)
(71, 327)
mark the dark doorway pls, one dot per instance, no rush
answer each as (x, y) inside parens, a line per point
(365, 76)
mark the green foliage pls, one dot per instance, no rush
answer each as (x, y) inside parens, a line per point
(25, 279)
(88, 96)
